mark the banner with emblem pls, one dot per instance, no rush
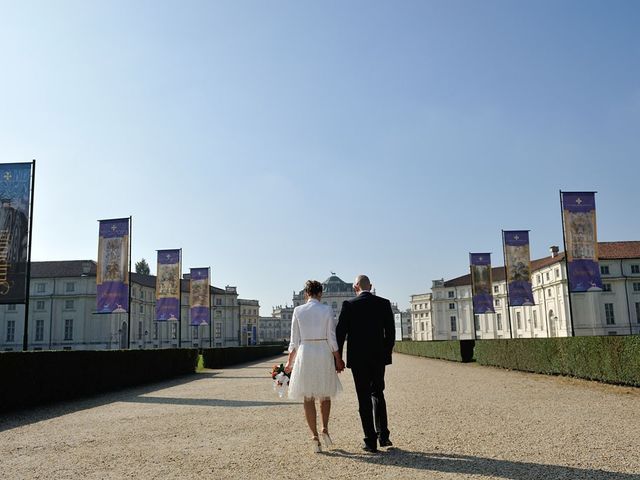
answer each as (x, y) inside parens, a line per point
(15, 195)
(517, 263)
(199, 297)
(581, 244)
(112, 278)
(168, 285)
(481, 283)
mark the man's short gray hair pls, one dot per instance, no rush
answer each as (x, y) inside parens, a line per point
(363, 282)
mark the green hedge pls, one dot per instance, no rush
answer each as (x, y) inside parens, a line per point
(32, 378)
(224, 357)
(455, 350)
(611, 359)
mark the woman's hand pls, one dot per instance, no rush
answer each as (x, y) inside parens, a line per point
(288, 368)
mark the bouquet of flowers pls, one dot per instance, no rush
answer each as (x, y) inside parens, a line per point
(280, 379)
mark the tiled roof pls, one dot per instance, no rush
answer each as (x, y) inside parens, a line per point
(88, 268)
(606, 251)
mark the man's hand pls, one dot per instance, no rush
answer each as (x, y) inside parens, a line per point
(339, 365)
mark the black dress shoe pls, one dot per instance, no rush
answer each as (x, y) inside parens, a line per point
(369, 449)
(386, 443)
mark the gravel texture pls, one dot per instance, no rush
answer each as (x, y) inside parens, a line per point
(447, 421)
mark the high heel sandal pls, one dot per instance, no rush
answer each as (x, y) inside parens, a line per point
(316, 445)
(327, 439)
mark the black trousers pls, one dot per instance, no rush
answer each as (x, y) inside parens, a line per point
(369, 382)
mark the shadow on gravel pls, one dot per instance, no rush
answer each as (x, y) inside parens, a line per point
(19, 418)
(470, 465)
(207, 402)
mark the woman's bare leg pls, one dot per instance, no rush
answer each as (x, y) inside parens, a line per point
(325, 410)
(310, 414)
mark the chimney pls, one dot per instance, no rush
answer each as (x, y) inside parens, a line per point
(554, 250)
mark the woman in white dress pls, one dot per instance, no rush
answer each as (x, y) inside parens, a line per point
(314, 360)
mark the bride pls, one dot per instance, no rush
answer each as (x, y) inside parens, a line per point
(314, 360)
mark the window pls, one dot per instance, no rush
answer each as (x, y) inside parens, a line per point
(40, 287)
(141, 308)
(68, 304)
(557, 273)
(606, 287)
(548, 292)
(218, 301)
(155, 331)
(518, 320)
(499, 321)
(476, 322)
(218, 313)
(139, 330)
(218, 330)
(70, 287)
(535, 319)
(141, 294)
(39, 330)
(636, 286)
(11, 331)
(604, 269)
(635, 268)
(195, 333)
(68, 329)
(497, 302)
(11, 308)
(452, 294)
(452, 306)
(40, 305)
(609, 315)
(453, 323)
(547, 276)
(538, 279)
(174, 331)
(496, 289)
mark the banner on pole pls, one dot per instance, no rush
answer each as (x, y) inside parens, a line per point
(481, 283)
(168, 286)
(517, 260)
(579, 224)
(15, 197)
(199, 297)
(112, 279)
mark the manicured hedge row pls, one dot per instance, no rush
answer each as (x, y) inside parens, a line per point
(32, 378)
(224, 357)
(611, 359)
(455, 350)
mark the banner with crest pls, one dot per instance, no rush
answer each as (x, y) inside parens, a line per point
(168, 285)
(517, 263)
(581, 243)
(112, 278)
(199, 297)
(15, 196)
(481, 283)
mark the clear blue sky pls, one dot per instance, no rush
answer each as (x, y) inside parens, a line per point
(279, 141)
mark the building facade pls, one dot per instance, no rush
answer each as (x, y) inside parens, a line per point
(62, 314)
(334, 292)
(446, 312)
(249, 315)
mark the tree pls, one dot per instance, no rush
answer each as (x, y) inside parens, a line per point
(142, 267)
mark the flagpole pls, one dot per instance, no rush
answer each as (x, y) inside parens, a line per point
(180, 300)
(506, 283)
(129, 306)
(566, 266)
(25, 336)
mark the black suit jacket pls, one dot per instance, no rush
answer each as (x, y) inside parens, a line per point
(366, 322)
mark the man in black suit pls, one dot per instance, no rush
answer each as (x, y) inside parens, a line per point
(366, 322)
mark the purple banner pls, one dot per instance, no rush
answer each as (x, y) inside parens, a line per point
(579, 223)
(517, 261)
(481, 282)
(15, 196)
(199, 296)
(112, 278)
(168, 286)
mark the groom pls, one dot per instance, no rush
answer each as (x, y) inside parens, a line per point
(366, 321)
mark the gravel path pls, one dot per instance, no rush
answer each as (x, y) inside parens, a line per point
(447, 421)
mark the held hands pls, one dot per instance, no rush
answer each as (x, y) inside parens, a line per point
(339, 365)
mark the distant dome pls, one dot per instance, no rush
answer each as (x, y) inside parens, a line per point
(335, 284)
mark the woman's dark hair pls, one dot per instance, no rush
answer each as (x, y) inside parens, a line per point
(312, 288)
